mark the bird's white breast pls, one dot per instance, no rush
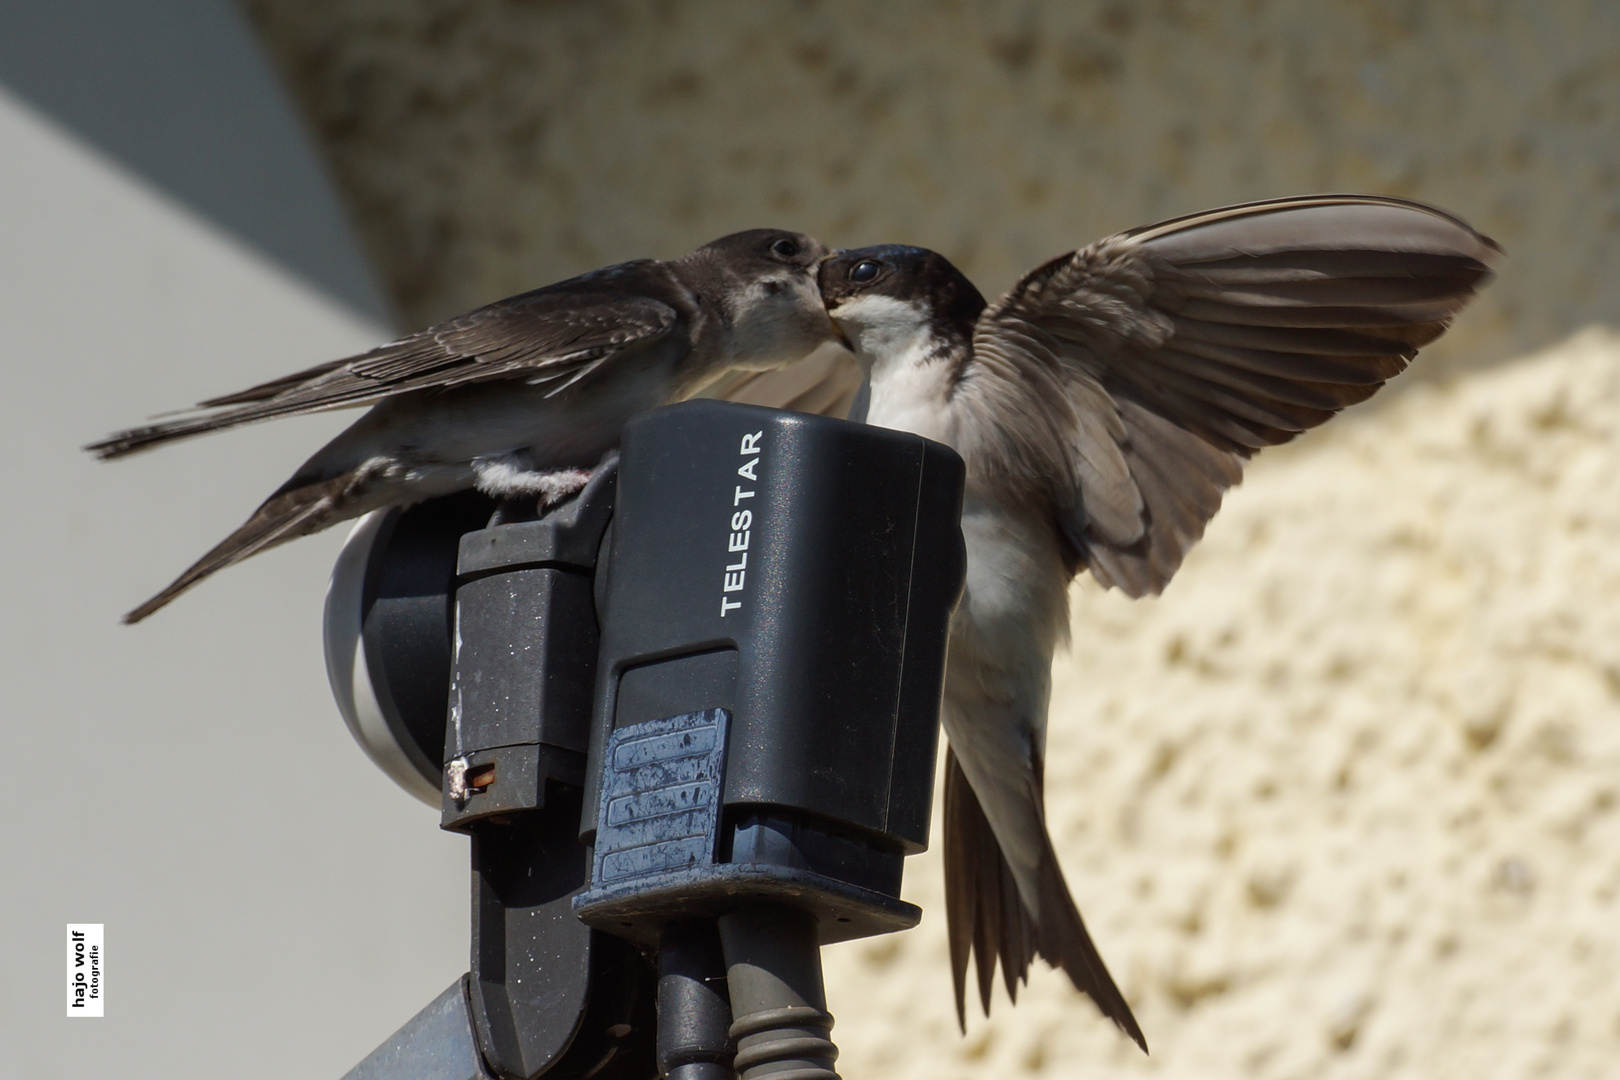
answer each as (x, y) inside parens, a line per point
(910, 379)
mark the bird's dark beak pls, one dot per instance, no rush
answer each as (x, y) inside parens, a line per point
(838, 331)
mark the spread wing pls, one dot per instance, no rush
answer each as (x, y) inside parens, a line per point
(553, 337)
(1178, 350)
(825, 383)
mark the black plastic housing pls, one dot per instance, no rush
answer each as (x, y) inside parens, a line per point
(729, 648)
(837, 643)
(524, 664)
(548, 995)
(792, 576)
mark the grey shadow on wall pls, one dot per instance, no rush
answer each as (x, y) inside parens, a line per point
(180, 93)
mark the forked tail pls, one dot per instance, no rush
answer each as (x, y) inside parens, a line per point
(985, 915)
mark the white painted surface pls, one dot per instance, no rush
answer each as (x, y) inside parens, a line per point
(274, 905)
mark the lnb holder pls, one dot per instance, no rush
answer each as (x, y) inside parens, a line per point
(690, 724)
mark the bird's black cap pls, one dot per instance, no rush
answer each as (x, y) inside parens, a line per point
(912, 274)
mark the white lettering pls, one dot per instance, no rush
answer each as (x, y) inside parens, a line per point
(741, 522)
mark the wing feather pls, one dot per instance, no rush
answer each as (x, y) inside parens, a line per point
(824, 383)
(1190, 344)
(560, 334)
(1372, 366)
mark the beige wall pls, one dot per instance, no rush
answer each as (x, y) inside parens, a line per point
(1343, 802)
(492, 147)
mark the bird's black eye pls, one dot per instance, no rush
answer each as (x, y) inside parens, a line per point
(785, 248)
(864, 271)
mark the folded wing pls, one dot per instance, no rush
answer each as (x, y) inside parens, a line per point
(553, 337)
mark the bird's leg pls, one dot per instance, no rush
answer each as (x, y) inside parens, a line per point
(512, 476)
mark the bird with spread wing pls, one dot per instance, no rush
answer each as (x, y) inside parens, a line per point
(1103, 406)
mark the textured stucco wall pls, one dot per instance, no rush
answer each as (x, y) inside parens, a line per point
(489, 146)
(1343, 802)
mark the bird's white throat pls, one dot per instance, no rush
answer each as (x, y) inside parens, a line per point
(910, 377)
(881, 328)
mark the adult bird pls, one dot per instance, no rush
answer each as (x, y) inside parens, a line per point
(1103, 406)
(518, 398)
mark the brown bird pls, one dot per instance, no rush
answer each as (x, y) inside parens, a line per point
(1102, 407)
(518, 398)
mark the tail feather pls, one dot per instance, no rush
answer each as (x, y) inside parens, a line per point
(1063, 942)
(985, 915)
(284, 516)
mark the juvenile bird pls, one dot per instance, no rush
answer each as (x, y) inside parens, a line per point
(1102, 407)
(519, 397)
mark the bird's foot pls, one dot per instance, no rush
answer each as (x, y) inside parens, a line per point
(509, 477)
(558, 487)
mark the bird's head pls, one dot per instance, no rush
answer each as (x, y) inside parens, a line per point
(891, 298)
(765, 280)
